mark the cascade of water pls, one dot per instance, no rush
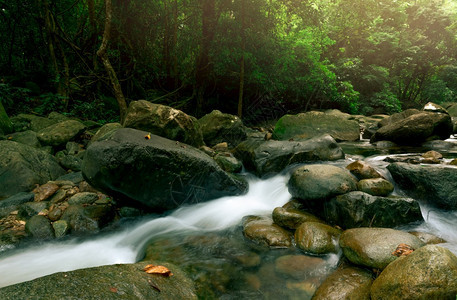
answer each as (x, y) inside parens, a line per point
(125, 246)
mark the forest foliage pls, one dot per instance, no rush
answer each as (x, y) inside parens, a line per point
(246, 57)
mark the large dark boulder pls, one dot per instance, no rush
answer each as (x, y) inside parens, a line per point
(164, 121)
(218, 127)
(127, 281)
(428, 273)
(359, 209)
(22, 167)
(266, 157)
(398, 117)
(434, 184)
(416, 129)
(156, 172)
(311, 124)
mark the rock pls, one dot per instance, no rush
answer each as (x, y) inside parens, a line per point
(292, 218)
(36, 123)
(228, 162)
(433, 107)
(315, 182)
(221, 147)
(45, 191)
(105, 132)
(75, 177)
(434, 184)
(27, 137)
(21, 167)
(164, 121)
(30, 209)
(347, 282)
(12, 203)
(264, 232)
(416, 129)
(438, 145)
(74, 148)
(398, 117)
(218, 127)
(267, 157)
(5, 123)
(428, 273)
(375, 186)
(59, 134)
(317, 238)
(373, 247)
(358, 209)
(452, 110)
(298, 266)
(158, 173)
(83, 219)
(71, 162)
(127, 281)
(312, 124)
(432, 157)
(363, 170)
(428, 238)
(39, 227)
(61, 228)
(83, 198)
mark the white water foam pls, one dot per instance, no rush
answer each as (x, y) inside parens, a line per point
(125, 246)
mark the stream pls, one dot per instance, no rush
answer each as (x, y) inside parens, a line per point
(206, 241)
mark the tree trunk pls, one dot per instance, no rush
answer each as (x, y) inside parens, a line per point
(107, 64)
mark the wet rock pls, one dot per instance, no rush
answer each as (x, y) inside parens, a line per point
(427, 238)
(89, 218)
(33, 122)
(359, 209)
(348, 282)
(433, 107)
(317, 238)
(56, 211)
(433, 184)
(158, 173)
(248, 260)
(363, 170)
(22, 167)
(127, 281)
(12, 203)
(71, 162)
(105, 132)
(292, 218)
(61, 228)
(164, 121)
(312, 124)
(431, 157)
(398, 117)
(45, 191)
(315, 182)
(83, 198)
(269, 157)
(416, 129)
(27, 137)
(373, 247)
(228, 162)
(74, 177)
(30, 209)
(428, 273)
(263, 231)
(39, 227)
(218, 127)
(298, 266)
(375, 186)
(59, 134)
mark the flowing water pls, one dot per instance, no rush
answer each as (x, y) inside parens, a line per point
(206, 241)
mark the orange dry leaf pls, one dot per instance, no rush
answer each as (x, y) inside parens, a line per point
(161, 270)
(147, 136)
(403, 250)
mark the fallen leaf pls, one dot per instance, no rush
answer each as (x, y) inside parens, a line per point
(147, 136)
(161, 270)
(403, 250)
(113, 289)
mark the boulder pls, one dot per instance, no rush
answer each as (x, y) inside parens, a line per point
(363, 170)
(431, 183)
(452, 110)
(359, 209)
(416, 129)
(156, 172)
(428, 273)
(312, 124)
(27, 137)
(317, 238)
(373, 247)
(12, 203)
(105, 132)
(39, 227)
(22, 167)
(292, 218)
(375, 186)
(316, 182)
(84, 219)
(298, 266)
(218, 127)
(433, 107)
(59, 134)
(398, 117)
(267, 157)
(127, 281)
(164, 121)
(346, 282)
(263, 231)
(228, 162)
(428, 238)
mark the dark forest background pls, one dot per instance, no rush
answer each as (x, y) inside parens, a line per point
(89, 58)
